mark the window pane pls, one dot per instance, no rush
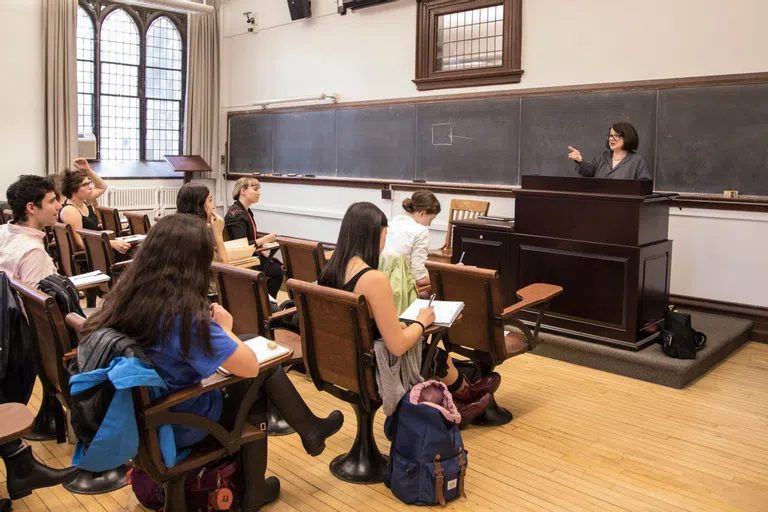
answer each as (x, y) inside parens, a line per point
(85, 72)
(478, 33)
(119, 79)
(119, 39)
(119, 128)
(163, 128)
(163, 84)
(163, 45)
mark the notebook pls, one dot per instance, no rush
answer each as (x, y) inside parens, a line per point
(446, 311)
(90, 278)
(260, 347)
(131, 238)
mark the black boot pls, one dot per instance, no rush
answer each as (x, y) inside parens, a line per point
(44, 427)
(5, 505)
(257, 491)
(312, 430)
(25, 474)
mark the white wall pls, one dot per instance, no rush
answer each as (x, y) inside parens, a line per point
(22, 132)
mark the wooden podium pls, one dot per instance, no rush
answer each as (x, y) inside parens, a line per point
(188, 164)
(604, 241)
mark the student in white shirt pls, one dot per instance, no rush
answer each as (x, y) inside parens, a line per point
(408, 234)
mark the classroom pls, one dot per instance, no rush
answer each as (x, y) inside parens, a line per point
(342, 255)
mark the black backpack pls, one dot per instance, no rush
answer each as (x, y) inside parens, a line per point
(64, 292)
(679, 339)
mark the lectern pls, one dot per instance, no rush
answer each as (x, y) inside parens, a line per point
(188, 164)
(604, 241)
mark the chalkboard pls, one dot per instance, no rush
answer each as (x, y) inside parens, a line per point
(696, 139)
(550, 124)
(305, 142)
(713, 139)
(469, 142)
(377, 142)
(250, 143)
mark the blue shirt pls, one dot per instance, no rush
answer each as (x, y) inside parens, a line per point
(179, 373)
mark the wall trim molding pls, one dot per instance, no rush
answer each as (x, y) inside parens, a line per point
(758, 315)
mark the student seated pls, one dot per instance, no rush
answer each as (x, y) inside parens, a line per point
(197, 200)
(408, 235)
(353, 267)
(160, 302)
(240, 224)
(79, 187)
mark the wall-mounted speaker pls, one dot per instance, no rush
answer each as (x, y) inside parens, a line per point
(300, 9)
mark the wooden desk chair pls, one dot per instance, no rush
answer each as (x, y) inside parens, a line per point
(101, 257)
(460, 209)
(68, 259)
(337, 342)
(138, 223)
(6, 216)
(481, 335)
(302, 259)
(243, 292)
(221, 442)
(110, 220)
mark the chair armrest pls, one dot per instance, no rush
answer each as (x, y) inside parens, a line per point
(432, 329)
(532, 295)
(121, 265)
(215, 381)
(282, 314)
(70, 355)
(74, 321)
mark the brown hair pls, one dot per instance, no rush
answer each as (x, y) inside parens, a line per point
(166, 283)
(71, 179)
(241, 184)
(422, 201)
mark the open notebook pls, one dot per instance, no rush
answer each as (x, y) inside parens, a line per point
(89, 278)
(260, 347)
(446, 311)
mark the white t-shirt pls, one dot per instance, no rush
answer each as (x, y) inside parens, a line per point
(407, 237)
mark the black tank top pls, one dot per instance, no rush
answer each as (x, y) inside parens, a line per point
(349, 286)
(89, 222)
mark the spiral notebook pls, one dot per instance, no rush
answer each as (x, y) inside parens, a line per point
(260, 347)
(446, 312)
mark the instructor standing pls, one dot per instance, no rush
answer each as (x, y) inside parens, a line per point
(620, 161)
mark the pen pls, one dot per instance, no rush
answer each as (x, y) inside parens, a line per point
(462, 256)
(431, 298)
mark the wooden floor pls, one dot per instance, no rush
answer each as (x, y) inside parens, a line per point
(581, 440)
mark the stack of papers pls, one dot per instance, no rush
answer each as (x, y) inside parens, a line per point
(446, 312)
(260, 347)
(131, 238)
(90, 278)
(238, 249)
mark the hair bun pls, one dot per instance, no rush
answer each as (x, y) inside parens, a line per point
(408, 205)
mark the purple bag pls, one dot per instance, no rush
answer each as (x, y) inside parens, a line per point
(209, 488)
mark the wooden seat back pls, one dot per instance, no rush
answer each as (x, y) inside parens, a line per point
(337, 342)
(138, 223)
(99, 253)
(65, 249)
(6, 215)
(52, 342)
(302, 259)
(110, 219)
(462, 209)
(243, 292)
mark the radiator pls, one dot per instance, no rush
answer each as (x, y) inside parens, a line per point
(154, 201)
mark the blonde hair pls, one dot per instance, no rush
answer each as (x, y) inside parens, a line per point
(242, 184)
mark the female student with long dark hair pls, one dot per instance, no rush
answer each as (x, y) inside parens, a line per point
(353, 267)
(197, 200)
(160, 302)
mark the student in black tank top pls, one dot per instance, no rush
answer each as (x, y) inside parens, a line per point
(354, 267)
(79, 186)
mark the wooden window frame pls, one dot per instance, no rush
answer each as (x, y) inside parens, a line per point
(98, 10)
(427, 78)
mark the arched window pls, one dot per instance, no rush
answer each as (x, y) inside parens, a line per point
(120, 60)
(164, 89)
(86, 53)
(133, 101)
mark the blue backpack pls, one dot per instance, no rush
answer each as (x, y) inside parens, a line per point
(427, 460)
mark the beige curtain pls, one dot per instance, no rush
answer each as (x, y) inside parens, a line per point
(60, 75)
(202, 111)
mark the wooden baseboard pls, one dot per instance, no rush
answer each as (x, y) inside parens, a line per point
(758, 315)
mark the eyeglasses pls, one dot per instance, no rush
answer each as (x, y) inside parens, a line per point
(88, 183)
(614, 136)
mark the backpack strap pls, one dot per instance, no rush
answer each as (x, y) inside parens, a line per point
(439, 481)
(463, 473)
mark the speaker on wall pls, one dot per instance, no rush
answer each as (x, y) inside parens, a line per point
(300, 9)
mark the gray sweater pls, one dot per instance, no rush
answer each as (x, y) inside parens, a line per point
(634, 166)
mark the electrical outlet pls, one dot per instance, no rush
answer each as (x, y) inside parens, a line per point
(223, 159)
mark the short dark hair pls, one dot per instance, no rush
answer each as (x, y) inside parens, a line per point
(71, 180)
(359, 235)
(166, 283)
(191, 199)
(422, 201)
(28, 189)
(628, 132)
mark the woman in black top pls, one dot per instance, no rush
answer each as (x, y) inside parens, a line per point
(79, 186)
(620, 161)
(241, 224)
(354, 267)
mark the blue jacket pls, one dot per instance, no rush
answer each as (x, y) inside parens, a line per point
(117, 439)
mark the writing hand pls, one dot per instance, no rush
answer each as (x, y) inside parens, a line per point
(574, 154)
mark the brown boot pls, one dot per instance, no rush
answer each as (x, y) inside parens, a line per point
(487, 384)
(473, 409)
